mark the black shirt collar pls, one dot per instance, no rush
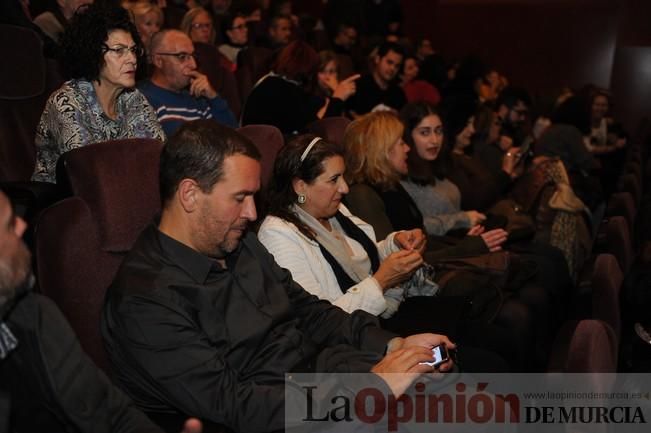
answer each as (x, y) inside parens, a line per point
(193, 262)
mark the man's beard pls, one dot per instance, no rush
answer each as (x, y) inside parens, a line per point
(16, 279)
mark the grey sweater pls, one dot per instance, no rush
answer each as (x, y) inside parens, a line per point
(440, 205)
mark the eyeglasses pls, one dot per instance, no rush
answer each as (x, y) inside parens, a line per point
(182, 57)
(198, 26)
(122, 50)
(240, 27)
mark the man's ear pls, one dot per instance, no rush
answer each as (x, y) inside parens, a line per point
(157, 61)
(187, 194)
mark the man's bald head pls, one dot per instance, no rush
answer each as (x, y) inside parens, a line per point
(172, 55)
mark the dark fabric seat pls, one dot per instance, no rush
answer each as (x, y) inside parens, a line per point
(615, 239)
(252, 64)
(331, 129)
(26, 81)
(622, 204)
(268, 139)
(607, 279)
(586, 346)
(81, 241)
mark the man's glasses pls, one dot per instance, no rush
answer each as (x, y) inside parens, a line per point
(198, 26)
(240, 27)
(182, 57)
(122, 50)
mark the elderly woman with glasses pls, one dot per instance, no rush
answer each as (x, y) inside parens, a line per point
(198, 24)
(102, 51)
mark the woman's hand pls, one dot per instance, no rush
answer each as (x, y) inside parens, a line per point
(476, 230)
(475, 217)
(494, 239)
(411, 240)
(346, 88)
(397, 267)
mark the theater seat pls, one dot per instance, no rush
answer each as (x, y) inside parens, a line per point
(607, 281)
(268, 139)
(252, 64)
(615, 239)
(586, 346)
(331, 129)
(26, 80)
(81, 241)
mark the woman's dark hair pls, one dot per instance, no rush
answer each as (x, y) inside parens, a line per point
(280, 194)
(456, 111)
(84, 38)
(421, 171)
(298, 61)
(574, 111)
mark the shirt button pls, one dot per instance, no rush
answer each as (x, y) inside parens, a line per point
(355, 289)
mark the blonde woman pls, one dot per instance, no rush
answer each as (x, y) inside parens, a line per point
(147, 17)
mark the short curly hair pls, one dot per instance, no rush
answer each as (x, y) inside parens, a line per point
(83, 40)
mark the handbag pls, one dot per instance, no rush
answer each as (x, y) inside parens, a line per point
(480, 279)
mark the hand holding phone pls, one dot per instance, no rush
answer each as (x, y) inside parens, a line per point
(440, 355)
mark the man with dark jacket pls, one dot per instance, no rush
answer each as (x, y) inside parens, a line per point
(47, 382)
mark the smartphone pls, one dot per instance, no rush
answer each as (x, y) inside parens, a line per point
(440, 355)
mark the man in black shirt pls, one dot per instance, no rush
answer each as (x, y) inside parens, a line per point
(201, 320)
(378, 90)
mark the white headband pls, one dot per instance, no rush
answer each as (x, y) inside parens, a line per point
(309, 147)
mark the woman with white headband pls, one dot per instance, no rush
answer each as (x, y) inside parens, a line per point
(334, 255)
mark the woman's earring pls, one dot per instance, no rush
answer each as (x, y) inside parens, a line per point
(301, 199)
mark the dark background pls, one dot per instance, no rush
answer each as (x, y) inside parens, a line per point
(545, 45)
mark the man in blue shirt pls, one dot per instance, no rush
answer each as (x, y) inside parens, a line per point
(177, 91)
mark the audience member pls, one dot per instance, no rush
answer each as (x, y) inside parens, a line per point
(424, 49)
(327, 76)
(427, 182)
(345, 39)
(236, 37)
(480, 186)
(148, 18)
(198, 24)
(376, 159)
(306, 216)
(102, 51)
(513, 106)
(53, 22)
(416, 89)
(279, 33)
(378, 90)
(173, 317)
(47, 382)
(283, 97)
(333, 254)
(176, 90)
